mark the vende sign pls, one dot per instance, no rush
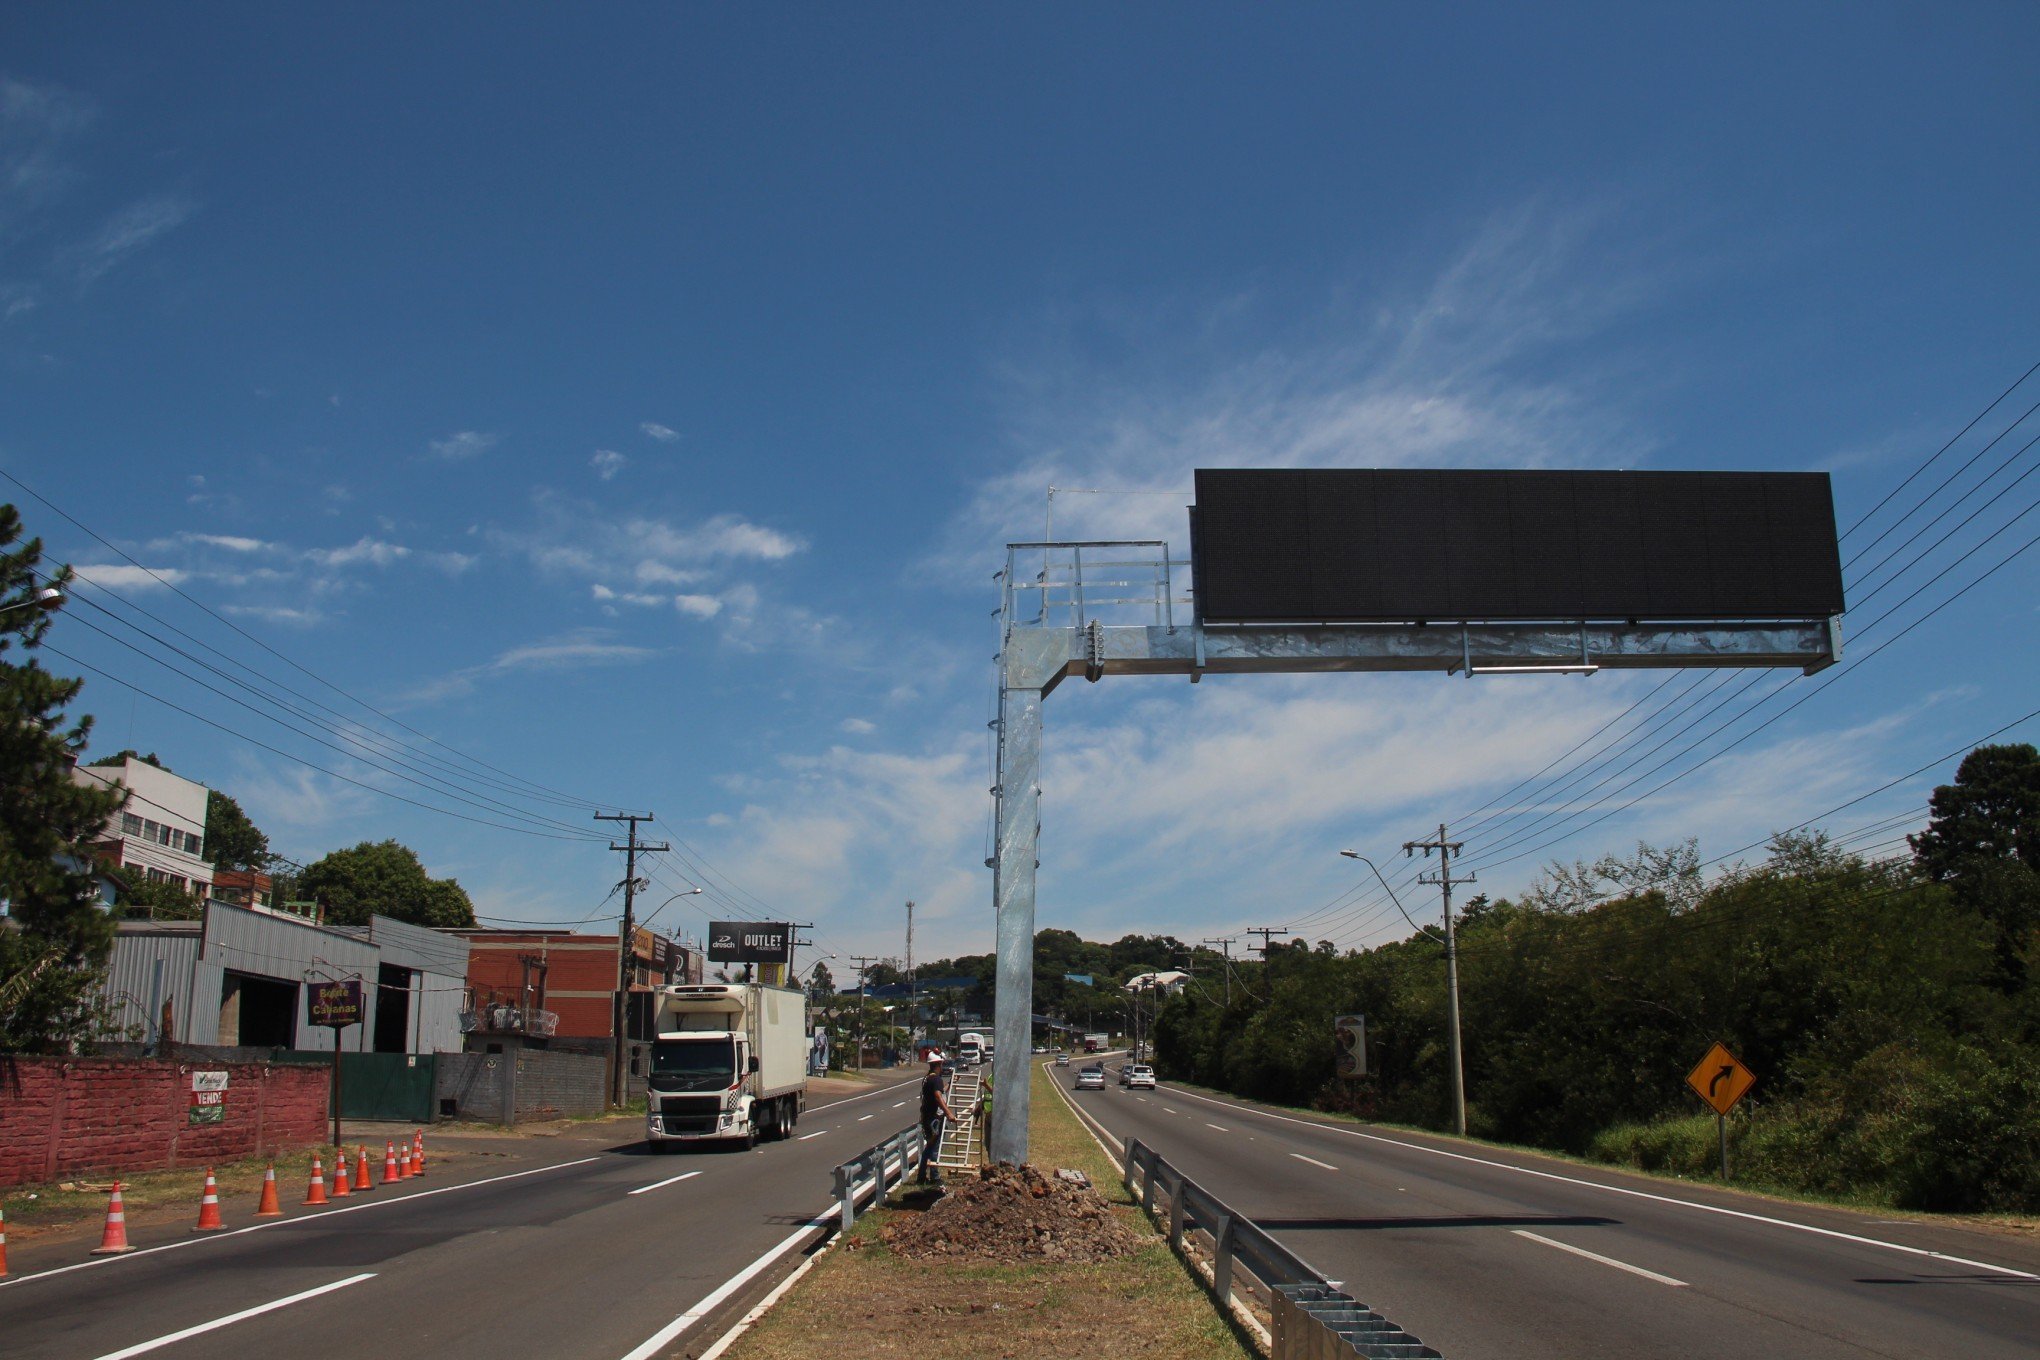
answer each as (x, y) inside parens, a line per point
(750, 941)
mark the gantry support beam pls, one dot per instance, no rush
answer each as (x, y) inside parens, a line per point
(1034, 660)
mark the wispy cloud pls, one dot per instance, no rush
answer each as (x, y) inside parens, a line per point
(665, 434)
(129, 230)
(859, 727)
(607, 463)
(276, 613)
(464, 444)
(375, 552)
(38, 124)
(580, 650)
(121, 576)
(233, 543)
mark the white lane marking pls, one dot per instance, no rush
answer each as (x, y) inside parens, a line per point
(1142, 1099)
(658, 1341)
(901, 1105)
(1220, 1127)
(299, 1221)
(1624, 1190)
(670, 1180)
(1604, 1260)
(862, 1117)
(1313, 1161)
(1167, 1110)
(805, 1136)
(145, 1347)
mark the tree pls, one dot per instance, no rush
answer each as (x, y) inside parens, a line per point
(49, 965)
(822, 985)
(231, 840)
(121, 757)
(136, 894)
(1990, 812)
(383, 878)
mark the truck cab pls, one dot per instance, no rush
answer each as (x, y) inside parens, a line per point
(729, 1062)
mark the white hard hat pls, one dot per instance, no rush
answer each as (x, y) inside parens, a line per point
(935, 1055)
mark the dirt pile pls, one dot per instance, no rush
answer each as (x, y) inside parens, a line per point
(1013, 1213)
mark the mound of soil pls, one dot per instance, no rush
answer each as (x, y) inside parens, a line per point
(1011, 1213)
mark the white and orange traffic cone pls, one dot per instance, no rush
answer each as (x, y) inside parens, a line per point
(268, 1207)
(113, 1241)
(315, 1193)
(363, 1181)
(418, 1153)
(3, 1244)
(389, 1165)
(209, 1207)
(342, 1187)
(403, 1161)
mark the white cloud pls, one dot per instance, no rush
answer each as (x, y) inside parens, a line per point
(607, 463)
(228, 542)
(859, 726)
(698, 606)
(654, 573)
(373, 551)
(120, 576)
(130, 229)
(300, 618)
(664, 434)
(464, 444)
(583, 649)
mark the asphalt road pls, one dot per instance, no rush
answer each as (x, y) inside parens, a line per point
(1498, 1254)
(588, 1249)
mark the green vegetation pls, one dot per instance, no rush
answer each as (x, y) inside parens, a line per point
(384, 878)
(1890, 1011)
(51, 955)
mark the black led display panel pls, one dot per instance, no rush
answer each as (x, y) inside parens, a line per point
(1374, 545)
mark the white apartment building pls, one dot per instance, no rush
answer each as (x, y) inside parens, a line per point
(160, 831)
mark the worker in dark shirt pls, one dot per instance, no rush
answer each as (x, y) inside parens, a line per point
(934, 1111)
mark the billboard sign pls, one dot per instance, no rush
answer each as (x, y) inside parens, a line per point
(750, 941)
(1403, 545)
(336, 1005)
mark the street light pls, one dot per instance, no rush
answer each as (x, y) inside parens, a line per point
(49, 597)
(688, 892)
(1451, 987)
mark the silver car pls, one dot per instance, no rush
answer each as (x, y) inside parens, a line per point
(1090, 1079)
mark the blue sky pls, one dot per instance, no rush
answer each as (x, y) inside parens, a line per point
(638, 401)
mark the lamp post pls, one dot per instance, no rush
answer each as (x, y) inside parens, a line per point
(1446, 849)
(49, 597)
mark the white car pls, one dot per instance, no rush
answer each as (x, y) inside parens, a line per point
(1140, 1075)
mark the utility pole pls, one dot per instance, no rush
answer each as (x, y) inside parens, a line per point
(1225, 946)
(913, 988)
(1266, 933)
(1444, 880)
(620, 1011)
(863, 962)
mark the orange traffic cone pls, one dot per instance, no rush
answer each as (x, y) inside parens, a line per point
(3, 1244)
(209, 1207)
(113, 1241)
(269, 1208)
(342, 1187)
(363, 1181)
(315, 1193)
(403, 1161)
(389, 1166)
(418, 1153)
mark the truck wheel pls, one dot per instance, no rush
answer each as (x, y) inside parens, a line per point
(751, 1136)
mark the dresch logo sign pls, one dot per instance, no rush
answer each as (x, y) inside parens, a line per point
(749, 941)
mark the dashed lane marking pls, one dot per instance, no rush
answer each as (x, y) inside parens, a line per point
(805, 1136)
(1313, 1161)
(1220, 1127)
(230, 1319)
(670, 1180)
(1604, 1260)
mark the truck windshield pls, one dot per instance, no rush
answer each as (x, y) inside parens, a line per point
(693, 1064)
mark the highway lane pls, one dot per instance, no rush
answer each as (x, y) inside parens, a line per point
(589, 1256)
(1485, 1253)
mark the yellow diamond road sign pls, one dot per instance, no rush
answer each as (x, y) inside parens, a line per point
(1720, 1080)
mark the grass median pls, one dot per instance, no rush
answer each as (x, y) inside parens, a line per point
(863, 1299)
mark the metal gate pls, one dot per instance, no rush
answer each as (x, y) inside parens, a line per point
(394, 1086)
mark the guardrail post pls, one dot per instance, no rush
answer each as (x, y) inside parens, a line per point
(1221, 1258)
(1147, 1189)
(1176, 1212)
(846, 1193)
(1132, 1155)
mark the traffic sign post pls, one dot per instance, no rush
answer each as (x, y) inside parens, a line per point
(1721, 1080)
(335, 1006)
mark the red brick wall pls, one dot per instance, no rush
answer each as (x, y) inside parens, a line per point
(580, 976)
(62, 1116)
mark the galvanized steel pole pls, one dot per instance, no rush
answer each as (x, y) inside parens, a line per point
(1019, 844)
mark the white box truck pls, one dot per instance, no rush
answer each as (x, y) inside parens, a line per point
(729, 1062)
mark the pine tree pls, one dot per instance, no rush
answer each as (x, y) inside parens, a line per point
(54, 943)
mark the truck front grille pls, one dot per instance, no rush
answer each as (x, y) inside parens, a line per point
(689, 1114)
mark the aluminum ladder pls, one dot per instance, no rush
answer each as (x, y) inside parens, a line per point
(963, 1138)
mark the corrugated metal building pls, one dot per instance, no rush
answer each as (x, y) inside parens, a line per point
(237, 978)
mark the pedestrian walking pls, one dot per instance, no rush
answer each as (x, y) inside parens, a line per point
(934, 1113)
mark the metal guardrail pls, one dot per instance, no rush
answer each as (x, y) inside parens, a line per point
(876, 1170)
(1313, 1319)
